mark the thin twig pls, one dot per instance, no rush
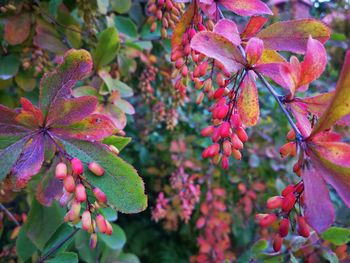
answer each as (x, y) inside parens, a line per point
(58, 246)
(9, 214)
(277, 97)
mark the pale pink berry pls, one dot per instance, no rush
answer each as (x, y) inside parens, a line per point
(80, 193)
(69, 184)
(61, 171)
(100, 196)
(96, 169)
(86, 221)
(101, 223)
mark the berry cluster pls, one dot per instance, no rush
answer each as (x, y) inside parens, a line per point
(168, 12)
(75, 197)
(228, 135)
(283, 206)
(215, 225)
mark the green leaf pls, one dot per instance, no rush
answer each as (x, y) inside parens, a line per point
(126, 26)
(121, 6)
(330, 256)
(42, 222)
(115, 84)
(9, 66)
(116, 240)
(107, 47)
(259, 246)
(61, 233)
(25, 80)
(337, 235)
(103, 6)
(82, 245)
(117, 141)
(109, 213)
(66, 257)
(128, 258)
(53, 7)
(121, 184)
(24, 247)
(9, 155)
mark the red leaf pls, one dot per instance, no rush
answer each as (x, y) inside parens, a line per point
(30, 161)
(228, 29)
(247, 7)
(58, 83)
(340, 182)
(293, 35)
(248, 102)
(314, 63)
(333, 155)
(340, 104)
(319, 210)
(30, 115)
(318, 104)
(254, 25)
(68, 111)
(8, 123)
(95, 127)
(299, 112)
(17, 28)
(218, 47)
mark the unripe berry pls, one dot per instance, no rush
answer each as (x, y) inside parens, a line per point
(200, 98)
(277, 243)
(236, 142)
(74, 212)
(86, 221)
(274, 202)
(69, 184)
(303, 228)
(61, 171)
(77, 166)
(93, 241)
(80, 193)
(236, 154)
(96, 169)
(109, 230)
(216, 159)
(101, 223)
(100, 196)
(284, 227)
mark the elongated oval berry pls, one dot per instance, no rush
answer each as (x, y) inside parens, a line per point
(109, 230)
(61, 171)
(289, 189)
(213, 149)
(77, 166)
(100, 195)
(274, 202)
(226, 147)
(74, 212)
(224, 162)
(283, 227)
(221, 111)
(277, 243)
(86, 221)
(236, 121)
(267, 220)
(225, 130)
(207, 131)
(96, 169)
(236, 154)
(80, 193)
(303, 228)
(101, 223)
(219, 93)
(236, 142)
(288, 202)
(69, 184)
(291, 135)
(242, 135)
(93, 240)
(216, 159)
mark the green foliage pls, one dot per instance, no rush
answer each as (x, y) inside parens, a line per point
(337, 235)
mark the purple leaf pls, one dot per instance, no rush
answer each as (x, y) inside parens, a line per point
(8, 123)
(68, 111)
(220, 48)
(246, 7)
(30, 161)
(228, 29)
(58, 83)
(319, 210)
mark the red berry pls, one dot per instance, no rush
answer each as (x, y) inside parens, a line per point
(303, 228)
(284, 227)
(277, 243)
(274, 202)
(77, 166)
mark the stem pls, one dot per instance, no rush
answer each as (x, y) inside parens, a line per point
(57, 247)
(9, 214)
(277, 97)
